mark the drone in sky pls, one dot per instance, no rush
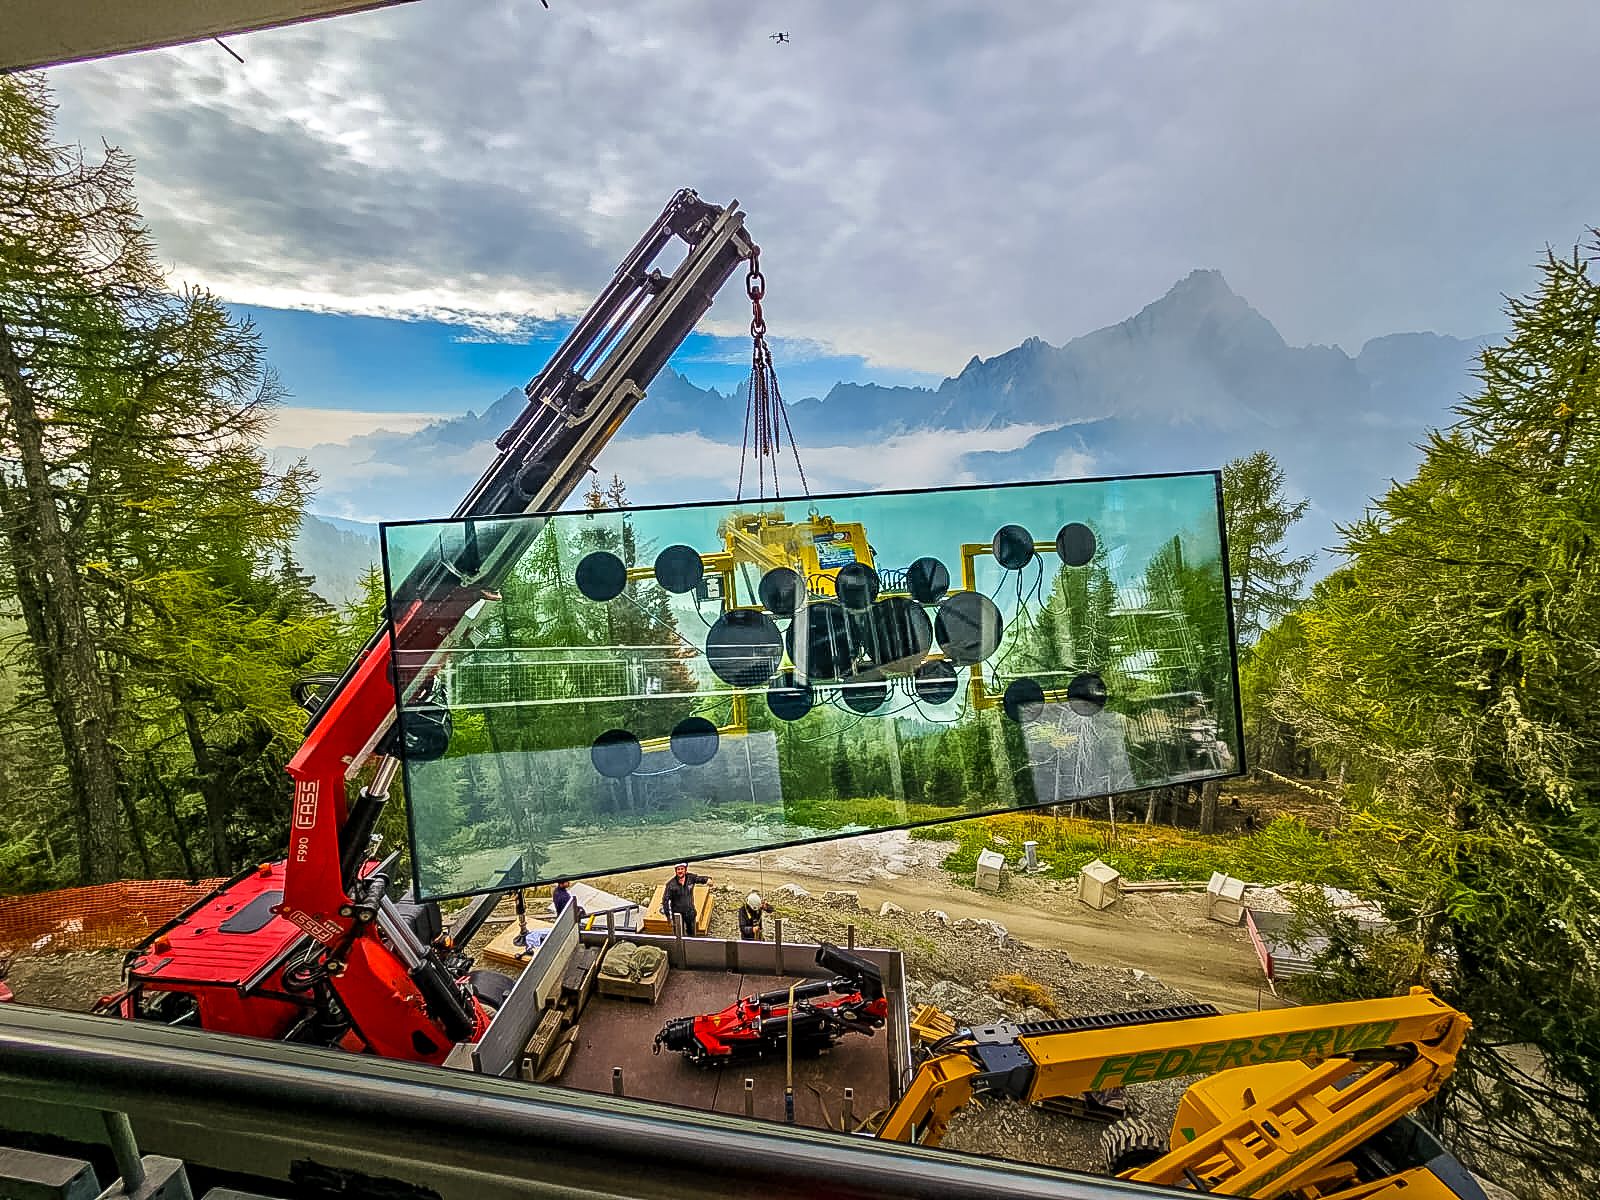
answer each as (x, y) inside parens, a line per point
(779, 37)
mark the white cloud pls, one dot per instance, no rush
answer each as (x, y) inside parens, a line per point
(926, 181)
(1073, 464)
(300, 428)
(926, 458)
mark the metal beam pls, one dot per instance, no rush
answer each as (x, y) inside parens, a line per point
(46, 33)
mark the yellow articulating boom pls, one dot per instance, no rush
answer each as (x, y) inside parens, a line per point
(1290, 1099)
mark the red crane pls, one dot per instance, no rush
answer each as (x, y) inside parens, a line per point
(314, 948)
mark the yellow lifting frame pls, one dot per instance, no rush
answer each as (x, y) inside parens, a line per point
(981, 696)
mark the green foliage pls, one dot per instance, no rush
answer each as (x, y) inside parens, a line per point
(1272, 741)
(1451, 665)
(1284, 851)
(145, 538)
(1266, 583)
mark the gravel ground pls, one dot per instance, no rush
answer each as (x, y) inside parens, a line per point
(70, 981)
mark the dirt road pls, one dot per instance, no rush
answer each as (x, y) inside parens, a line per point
(1165, 934)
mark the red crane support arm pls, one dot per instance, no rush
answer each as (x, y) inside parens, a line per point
(575, 406)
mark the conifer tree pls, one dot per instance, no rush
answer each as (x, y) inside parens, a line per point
(141, 522)
(1452, 664)
(1266, 582)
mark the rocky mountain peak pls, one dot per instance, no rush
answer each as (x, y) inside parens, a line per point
(1201, 306)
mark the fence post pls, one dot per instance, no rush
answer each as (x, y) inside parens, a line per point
(125, 1151)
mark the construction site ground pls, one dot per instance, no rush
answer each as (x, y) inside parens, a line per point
(1162, 934)
(1030, 951)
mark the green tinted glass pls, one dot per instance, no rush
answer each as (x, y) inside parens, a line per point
(605, 690)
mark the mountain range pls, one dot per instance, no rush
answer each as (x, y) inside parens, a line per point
(1192, 380)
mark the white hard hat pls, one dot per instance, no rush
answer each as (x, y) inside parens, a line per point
(753, 899)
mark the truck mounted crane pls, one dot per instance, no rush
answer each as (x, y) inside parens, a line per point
(314, 948)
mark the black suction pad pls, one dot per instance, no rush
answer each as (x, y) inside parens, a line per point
(788, 702)
(865, 696)
(679, 569)
(968, 627)
(1013, 547)
(1075, 544)
(1024, 700)
(601, 576)
(826, 653)
(898, 633)
(779, 591)
(744, 648)
(616, 753)
(694, 741)
(927, 580)
(856, 586)
(936, 682)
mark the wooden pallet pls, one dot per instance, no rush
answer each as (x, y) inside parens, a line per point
(654, 922)
(503, 950)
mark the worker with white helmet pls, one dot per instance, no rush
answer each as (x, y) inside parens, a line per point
(750, 916)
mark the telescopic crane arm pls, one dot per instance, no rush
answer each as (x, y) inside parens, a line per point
(575, 406)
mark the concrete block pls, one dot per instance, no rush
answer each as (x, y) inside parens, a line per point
(1225, 899)
(1099, 884)
(25, 1175)
(991, 863)
(164, 1179)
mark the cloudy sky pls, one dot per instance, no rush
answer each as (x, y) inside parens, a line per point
(411, 201)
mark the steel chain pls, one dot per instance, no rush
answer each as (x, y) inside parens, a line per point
(766, 417)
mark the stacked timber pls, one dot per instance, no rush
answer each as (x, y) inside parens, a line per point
(556, 1035)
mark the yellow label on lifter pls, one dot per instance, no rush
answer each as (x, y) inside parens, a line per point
(1121, 1069)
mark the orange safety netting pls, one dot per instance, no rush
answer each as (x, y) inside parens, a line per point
(106, 916)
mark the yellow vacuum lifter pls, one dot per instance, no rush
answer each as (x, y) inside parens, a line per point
(1305, 1102)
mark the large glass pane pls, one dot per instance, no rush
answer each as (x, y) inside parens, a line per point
(622, 688)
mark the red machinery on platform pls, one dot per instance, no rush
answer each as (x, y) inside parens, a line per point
(314, 948)
(807, 1018)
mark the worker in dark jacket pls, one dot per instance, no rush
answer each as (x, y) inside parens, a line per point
(750, 913)
(563, 896)
(678, 898)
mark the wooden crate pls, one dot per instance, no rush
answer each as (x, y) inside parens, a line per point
(647, 989)
(654, 922)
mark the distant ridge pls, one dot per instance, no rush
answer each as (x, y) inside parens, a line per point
(1196, 377)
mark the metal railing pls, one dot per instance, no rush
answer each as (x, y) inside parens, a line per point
(272, 1111)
